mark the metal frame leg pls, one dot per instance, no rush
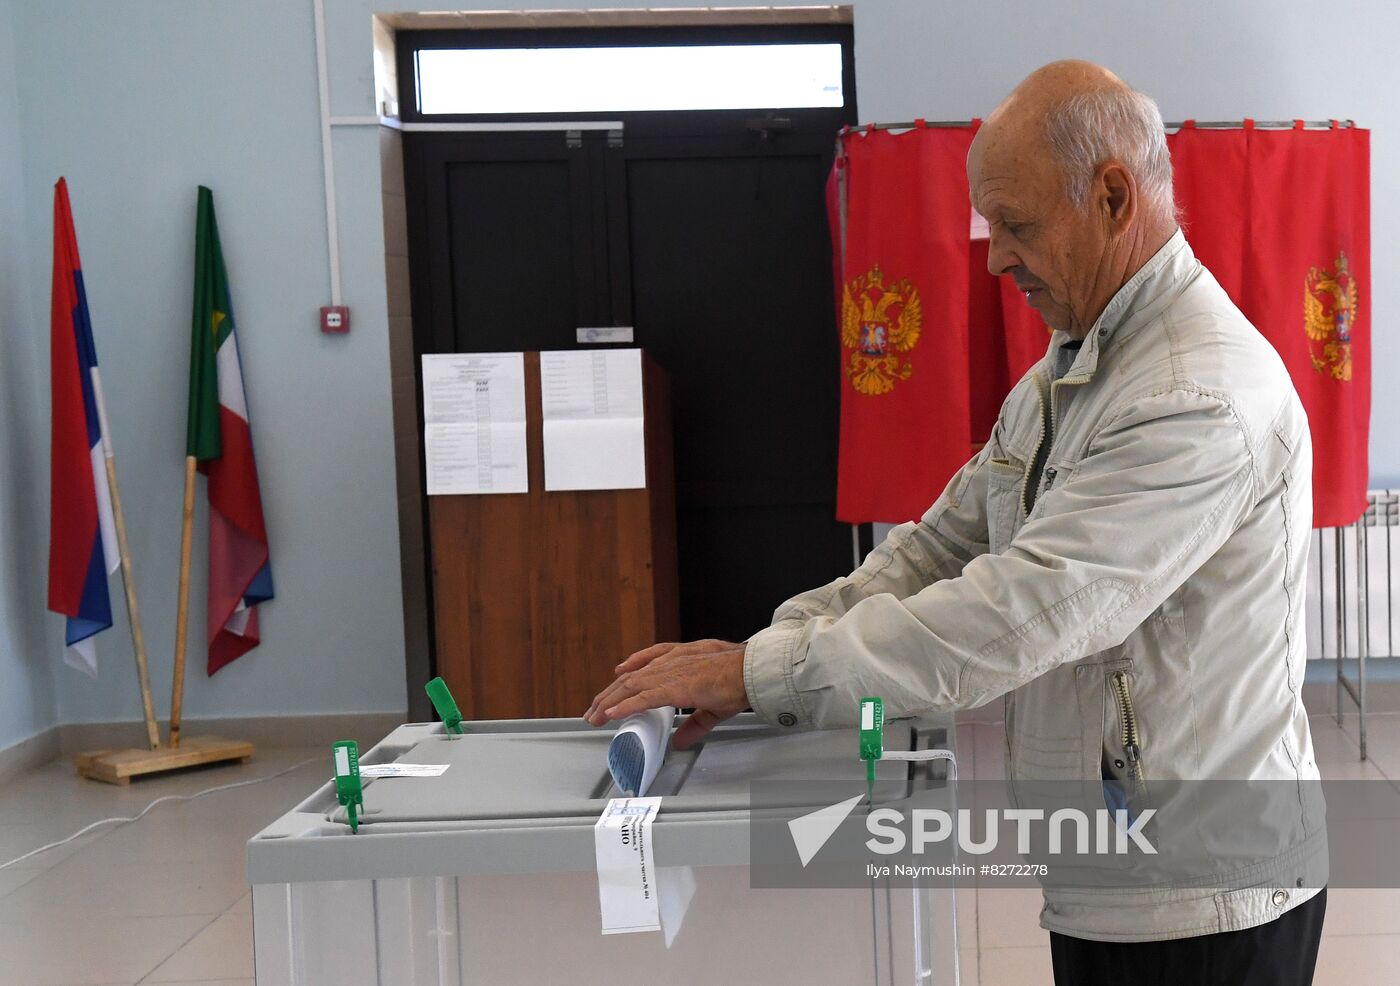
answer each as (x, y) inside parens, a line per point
(1338, 559)
(1357, 692)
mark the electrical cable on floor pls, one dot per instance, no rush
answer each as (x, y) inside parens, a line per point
(169, 797)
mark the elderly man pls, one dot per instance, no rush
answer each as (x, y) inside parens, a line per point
(1124, 560)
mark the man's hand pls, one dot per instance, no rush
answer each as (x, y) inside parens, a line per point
(705, 674)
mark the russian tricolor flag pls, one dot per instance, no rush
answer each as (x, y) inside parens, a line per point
(82, 536)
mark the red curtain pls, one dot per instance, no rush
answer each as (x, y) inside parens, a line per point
(1282, 219)
(903, 320)
(932, 343)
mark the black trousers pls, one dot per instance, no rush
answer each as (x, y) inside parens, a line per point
(1280, 953)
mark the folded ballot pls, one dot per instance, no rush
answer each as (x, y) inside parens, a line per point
(637, 749)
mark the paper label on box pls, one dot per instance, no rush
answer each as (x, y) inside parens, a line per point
(626, 869)
(404, 770)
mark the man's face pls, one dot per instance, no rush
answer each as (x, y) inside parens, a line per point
(1051, 249)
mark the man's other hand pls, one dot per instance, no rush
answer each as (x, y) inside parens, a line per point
(705, 674)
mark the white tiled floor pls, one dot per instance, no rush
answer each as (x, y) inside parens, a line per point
(165, 900)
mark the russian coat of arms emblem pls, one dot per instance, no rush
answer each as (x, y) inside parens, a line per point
(880, 324)
(1329, 315)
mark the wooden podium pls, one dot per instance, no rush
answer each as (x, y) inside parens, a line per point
(538, 595)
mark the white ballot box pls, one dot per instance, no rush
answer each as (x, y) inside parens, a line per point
(487, 873)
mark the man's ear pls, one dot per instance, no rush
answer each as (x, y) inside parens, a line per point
(1117, 195)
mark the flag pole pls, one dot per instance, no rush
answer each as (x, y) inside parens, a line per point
(182, 617)
(120, 766)
(133, 611)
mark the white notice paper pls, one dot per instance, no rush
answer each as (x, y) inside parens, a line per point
(404, 769)
(593, 421)
(474, 423)
(626, 871)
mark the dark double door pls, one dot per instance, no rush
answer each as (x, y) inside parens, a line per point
(715, 248)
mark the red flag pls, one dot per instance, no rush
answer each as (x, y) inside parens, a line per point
(82, 534)
(1282, 219)
(905, 419)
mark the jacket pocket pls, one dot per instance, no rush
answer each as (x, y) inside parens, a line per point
(1008, 716)
(1129, 729)
(1126, 753)
(1004, 479)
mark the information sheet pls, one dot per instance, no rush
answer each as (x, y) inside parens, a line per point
(594, 436)
(474, 423)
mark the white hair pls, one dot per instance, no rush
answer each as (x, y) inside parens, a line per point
(1118, 124)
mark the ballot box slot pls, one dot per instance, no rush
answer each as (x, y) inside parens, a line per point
(928, 774)
(667, 782)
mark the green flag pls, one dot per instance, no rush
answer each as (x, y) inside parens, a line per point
(220, 438)
(212, 325)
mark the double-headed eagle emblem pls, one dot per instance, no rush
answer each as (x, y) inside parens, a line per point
(879, 323)
(1329, 314)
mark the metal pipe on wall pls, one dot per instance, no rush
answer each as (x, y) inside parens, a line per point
(327, 156)
(1171, 125)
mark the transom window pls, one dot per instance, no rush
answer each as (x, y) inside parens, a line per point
(634, 78)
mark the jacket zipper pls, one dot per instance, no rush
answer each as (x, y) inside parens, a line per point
(1026, 503)
(1128, 723)
(1047, 476)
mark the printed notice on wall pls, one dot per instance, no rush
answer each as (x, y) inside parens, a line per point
(474, 423)
(593, 422)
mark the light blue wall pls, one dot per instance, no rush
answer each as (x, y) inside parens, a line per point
(138, 101)
(26, 683)
(953, 59)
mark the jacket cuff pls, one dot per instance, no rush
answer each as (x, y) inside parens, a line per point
(768, 667)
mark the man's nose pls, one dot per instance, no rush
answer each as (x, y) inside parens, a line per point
(1000, 258)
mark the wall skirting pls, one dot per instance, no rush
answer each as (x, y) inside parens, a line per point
(366, 728)
(29, 753)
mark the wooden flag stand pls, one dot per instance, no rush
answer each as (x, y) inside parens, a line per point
(120, 766)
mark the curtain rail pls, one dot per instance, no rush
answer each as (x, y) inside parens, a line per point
(1173, 125)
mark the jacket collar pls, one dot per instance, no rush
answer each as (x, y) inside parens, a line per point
(1135, 304)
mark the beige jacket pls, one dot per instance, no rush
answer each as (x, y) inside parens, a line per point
(1157, 582)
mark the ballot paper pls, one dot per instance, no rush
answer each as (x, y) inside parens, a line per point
(594, 435)
(474, 423)
(627, 889)
(638, 748)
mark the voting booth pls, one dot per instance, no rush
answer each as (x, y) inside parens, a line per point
(552, 523)
(487, 872)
